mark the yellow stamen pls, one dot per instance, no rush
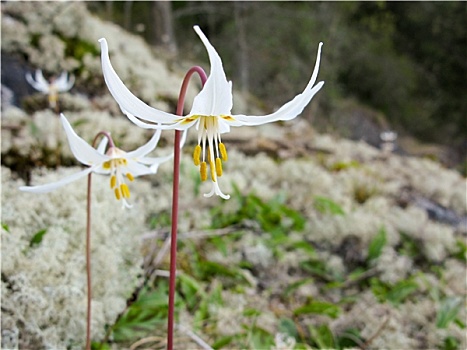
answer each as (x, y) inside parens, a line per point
(218, 167)
(203, 170)
(106, 165)
(118, 194)
(125, 190)
(130, 177)
(113, 181)
(212, 167)
(223, 152)
(196, 155)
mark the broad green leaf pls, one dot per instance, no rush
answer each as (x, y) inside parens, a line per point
(322, 336)
(287, 326)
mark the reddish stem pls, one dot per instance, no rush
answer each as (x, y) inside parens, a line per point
(88, 245)
(173, 237)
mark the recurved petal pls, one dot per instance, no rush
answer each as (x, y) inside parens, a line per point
(80, 148)
(102, 145)
(137, 169)
(40, 79)
(292, 108)
(127, 101)
(217, 191)
(146, 148)
(36, 85)
(216, 96)
(54, 185)
(179, 124)
(63, 83)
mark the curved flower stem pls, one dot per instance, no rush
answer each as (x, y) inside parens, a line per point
(173, 247)
(88, 247)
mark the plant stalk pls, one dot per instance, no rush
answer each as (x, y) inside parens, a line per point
(176, 177)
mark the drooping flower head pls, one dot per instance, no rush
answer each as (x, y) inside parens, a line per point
(210, 113)
(61, 84)
(120, 165)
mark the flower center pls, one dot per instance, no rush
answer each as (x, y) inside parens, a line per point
(117, 169)
(212, 153)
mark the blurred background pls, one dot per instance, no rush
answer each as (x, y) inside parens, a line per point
(387, 65)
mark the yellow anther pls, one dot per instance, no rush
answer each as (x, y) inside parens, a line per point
(130, 177)
(113, 181)
(125, 190)
(223, 152)
(118, 194)
(218, 167)
(196, 155)
(212, 167)
(203, 171)
(106, 165)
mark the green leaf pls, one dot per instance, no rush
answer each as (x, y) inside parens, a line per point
(6, 227)
(327, 206)
(401, 290)
(220, 343)
(293, 286)
(451, 343)
(377, 244)
(322, 336)
(320, 308)
(37, 238)
(448, 311)
(287, 326)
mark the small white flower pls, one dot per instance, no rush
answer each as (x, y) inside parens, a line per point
(61, 84)
(120, 165)
(211, 111)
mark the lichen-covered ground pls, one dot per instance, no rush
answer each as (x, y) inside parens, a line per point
(325, 243)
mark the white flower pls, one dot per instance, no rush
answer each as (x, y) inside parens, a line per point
(211, 111)
(61, 84)
(120, 165)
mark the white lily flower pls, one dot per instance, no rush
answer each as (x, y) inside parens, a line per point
(211, 111)
(61, 84)
(120, 165)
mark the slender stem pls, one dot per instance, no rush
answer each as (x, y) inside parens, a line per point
(88, 265)
(173, 247)
(88, 245)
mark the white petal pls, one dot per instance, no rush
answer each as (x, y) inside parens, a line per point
(178, 125)
(137, 169)
(102, 145)
(292, 108)
(54, 185)
(146, 148)
(36, 85)
(40, 79)
(216, 96)
(80, 148)
(217, 191)
(127, 101)
(62, 83)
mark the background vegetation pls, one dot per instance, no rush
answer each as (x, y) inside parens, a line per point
(404, 60)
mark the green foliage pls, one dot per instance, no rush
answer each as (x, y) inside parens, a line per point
(273, 216)
(145, 314)
(339, 166)
(461, 253)
(322, 337)
(450, 343)
(327, 206)
(396, 294)
(6, 227)
(448, 311)
(287, 326)
(377, 244)
(37, 238)
(319, 308)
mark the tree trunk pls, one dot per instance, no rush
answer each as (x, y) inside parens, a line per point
(163, 27)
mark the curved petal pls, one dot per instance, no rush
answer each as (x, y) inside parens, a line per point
(287, 112)
(63, 83)
(137, 169)
(146, 148)
(36, 85)
(102, 145)
(179, 124)
(216, 96)
(80, 148)
(128, 102)
(40, 79)
(54, 185)
(292, 108)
